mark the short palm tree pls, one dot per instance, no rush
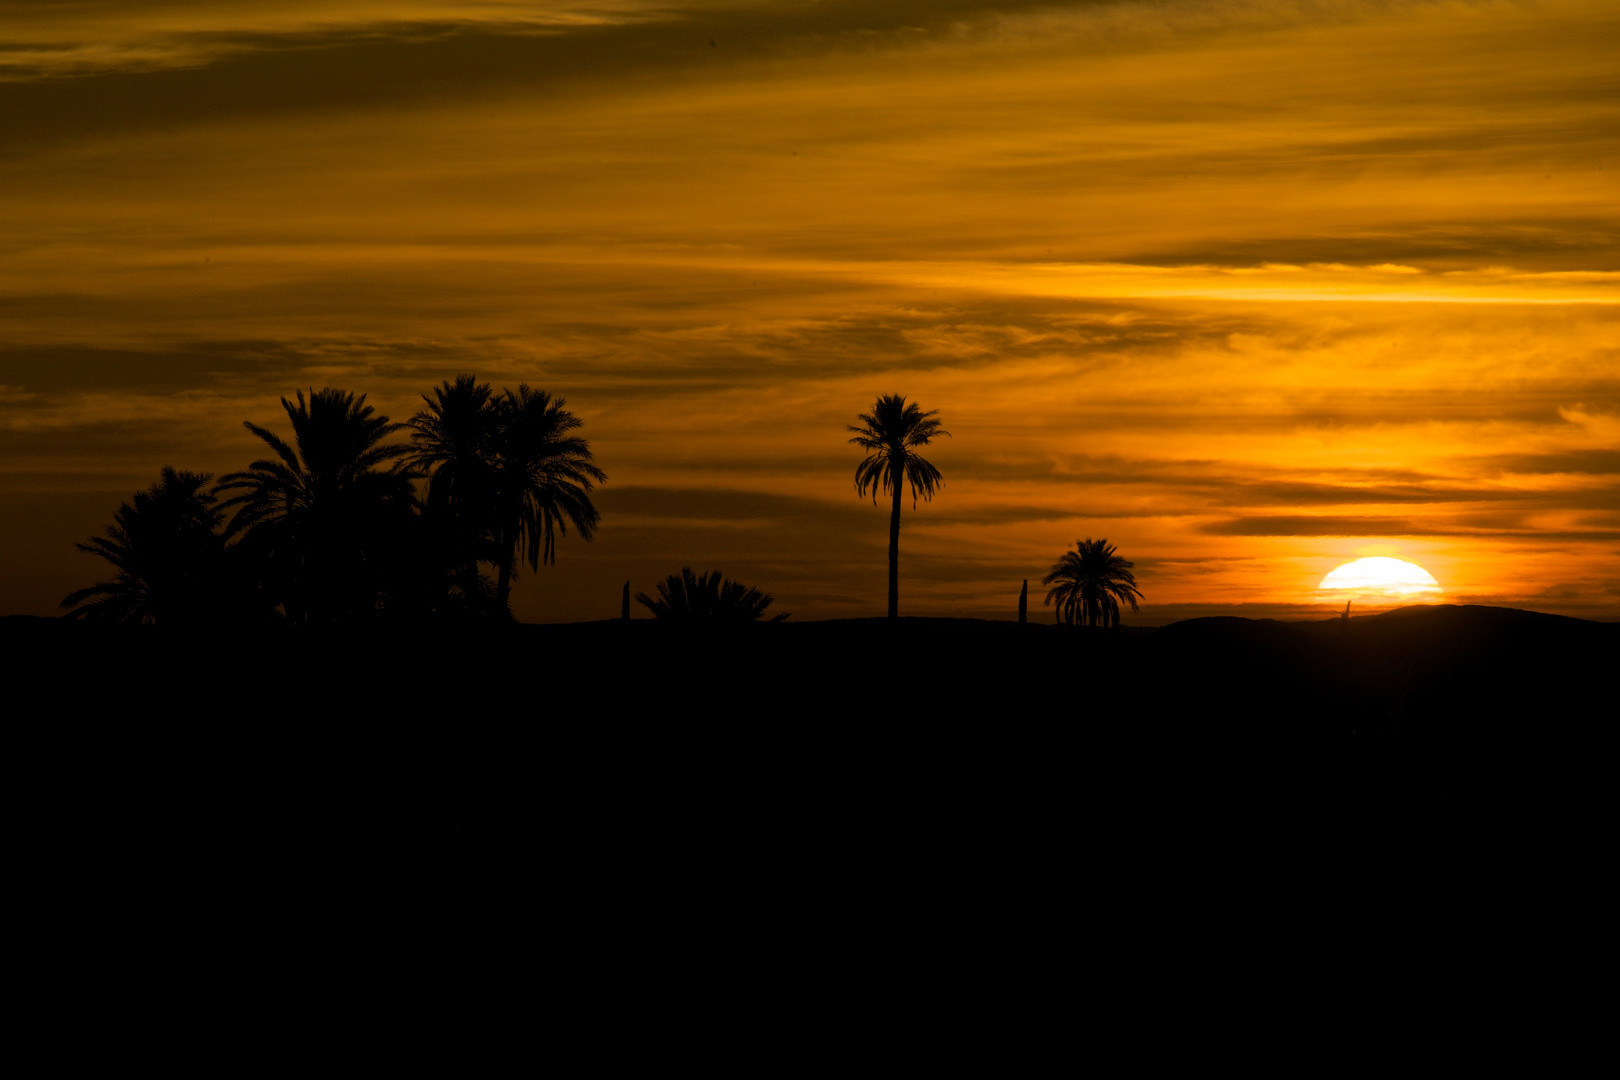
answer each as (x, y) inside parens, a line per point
(689, 597)
(891, 434)
(166, 546)
(1089, 584)
(323, 513)
(542, 478)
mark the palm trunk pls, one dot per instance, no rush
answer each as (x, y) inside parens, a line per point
(503, 586)
(894, 552)
(503, 578)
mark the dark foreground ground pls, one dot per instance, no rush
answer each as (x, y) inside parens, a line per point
(630, 783)
(449, 726)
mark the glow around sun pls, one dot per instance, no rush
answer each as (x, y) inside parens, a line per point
(1379, 575)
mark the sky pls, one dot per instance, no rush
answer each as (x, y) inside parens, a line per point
(1248, 288)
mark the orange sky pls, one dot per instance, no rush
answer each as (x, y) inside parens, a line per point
(1249, 288)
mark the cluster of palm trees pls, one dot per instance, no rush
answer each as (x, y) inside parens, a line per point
(508, 476)
(329, 529)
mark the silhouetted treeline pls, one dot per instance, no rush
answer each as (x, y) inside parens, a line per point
(345, 523)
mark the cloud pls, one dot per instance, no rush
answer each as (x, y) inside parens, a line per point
(88, 37)
(1301, 525)
(54, 369)
(728, 505)
(1594, 462)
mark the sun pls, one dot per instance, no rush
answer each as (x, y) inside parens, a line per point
(1380, 576)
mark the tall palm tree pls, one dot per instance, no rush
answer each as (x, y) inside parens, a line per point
(454, 443)
(689, 597)
(542, 479)
(166, 546)
(324, 513)
(890, 434)
(1090, 583)
(452, 438)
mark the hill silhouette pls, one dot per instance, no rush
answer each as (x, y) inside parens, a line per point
(451, 708)
(644, 779)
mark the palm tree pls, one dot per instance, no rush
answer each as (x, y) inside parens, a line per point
(890, 434)
(453, 437)
(541, 481)
(454, 440)
(325, 515)
(689, 597)
(1090, 583)
(166, 547)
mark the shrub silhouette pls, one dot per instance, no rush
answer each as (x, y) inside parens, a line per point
(689, 597)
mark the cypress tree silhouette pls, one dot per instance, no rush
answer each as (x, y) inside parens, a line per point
(890, 434)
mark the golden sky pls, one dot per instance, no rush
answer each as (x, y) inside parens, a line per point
(1248, 288)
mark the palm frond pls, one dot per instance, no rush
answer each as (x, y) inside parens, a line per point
(165, 544)
(285, 452)
(542, 475)
(891, 434)
(1090, 582)
(706, 598)
(321, 508)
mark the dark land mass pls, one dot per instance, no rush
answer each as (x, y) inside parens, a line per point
(644, 774)
(644, 706)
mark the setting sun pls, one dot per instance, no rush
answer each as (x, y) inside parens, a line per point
(1380, 575)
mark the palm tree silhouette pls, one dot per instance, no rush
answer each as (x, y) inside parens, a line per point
(324, 514)
(166, 546)
(453, 438)
(1090, 583)
(689, 597)
(541, 481)
(890, 434)
(453, 441)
